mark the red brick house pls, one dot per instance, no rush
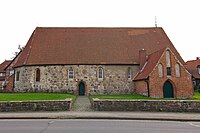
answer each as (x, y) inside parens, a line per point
(193, 67)
(87, 61)
(3, 73)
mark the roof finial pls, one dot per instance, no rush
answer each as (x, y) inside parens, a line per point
(155, 21)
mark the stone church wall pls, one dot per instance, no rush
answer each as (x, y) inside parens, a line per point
(55, 79)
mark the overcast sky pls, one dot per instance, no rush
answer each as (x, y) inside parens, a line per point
(179, 18)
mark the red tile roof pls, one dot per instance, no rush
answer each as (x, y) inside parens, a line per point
(192, 67)
(152, 61)
(48, 46)
(4, 65)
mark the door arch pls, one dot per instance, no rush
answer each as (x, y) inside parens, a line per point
(168, 90)
(81, 89)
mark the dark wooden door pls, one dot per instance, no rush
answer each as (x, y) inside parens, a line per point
(168, 91)
(81, 89)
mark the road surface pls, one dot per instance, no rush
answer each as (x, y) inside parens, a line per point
(97, 126)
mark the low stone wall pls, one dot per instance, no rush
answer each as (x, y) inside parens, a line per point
(50, 105)
(147, 105)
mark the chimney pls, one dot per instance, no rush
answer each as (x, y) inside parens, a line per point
(142, 57)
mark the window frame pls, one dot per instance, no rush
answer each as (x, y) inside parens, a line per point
(37, 75)
(17, 76)
(100, 73)
(71, 73)
(169, 71)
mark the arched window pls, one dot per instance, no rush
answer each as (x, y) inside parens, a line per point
(129, 73)
(100, 73)
(168, 58)
(177, 69)
(160, 70)
(37, 75)
(17, 75)
(70, 73)
(169, 73)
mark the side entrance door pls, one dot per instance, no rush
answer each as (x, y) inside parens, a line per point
(168, 91)
(81, 89)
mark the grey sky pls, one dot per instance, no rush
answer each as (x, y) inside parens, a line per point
(179, 18)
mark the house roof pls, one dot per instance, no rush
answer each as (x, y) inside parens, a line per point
(192, 67)
(4, 65)
(48, 46)
(150, 64)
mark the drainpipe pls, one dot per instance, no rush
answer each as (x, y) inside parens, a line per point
(148, 91)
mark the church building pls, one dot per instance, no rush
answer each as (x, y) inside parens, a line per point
(91, 61)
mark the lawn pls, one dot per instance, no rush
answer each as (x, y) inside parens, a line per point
(34, 96)
(139, 97)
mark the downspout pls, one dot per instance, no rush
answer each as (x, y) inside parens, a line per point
(148, 90)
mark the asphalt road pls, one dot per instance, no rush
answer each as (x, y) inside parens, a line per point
(97, 126)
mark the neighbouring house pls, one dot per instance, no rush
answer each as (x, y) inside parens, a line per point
(3, 73)
(193, 67)
(88, 61)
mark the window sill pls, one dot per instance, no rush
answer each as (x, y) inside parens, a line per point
(100, 80)
(70, 79)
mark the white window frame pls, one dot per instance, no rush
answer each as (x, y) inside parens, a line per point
(17, 77)
(100, 73)
(71, 73)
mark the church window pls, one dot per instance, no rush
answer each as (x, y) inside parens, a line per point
(70, 73)
(17, 75)
(100, 73)
(37, 73)
(168, 58)
(129, 73)
(169, 73)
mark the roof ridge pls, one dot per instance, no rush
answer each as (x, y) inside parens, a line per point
(103, 27)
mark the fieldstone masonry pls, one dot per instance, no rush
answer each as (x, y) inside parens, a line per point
(50, 105)
(147, 105)
(55, 79)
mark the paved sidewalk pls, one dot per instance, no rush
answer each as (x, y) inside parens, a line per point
(103, 115)
(82, 104)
